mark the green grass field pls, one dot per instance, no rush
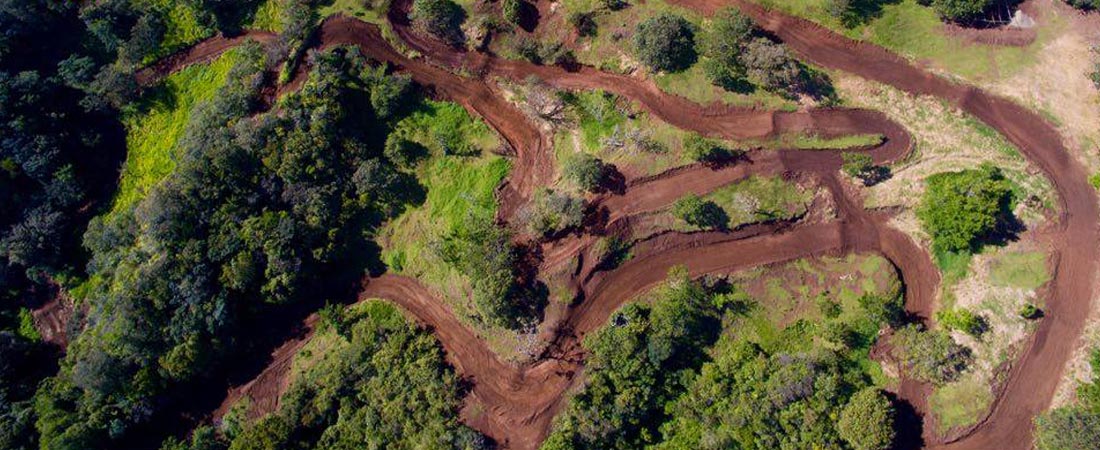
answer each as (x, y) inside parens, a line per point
(916, 32)
(960, 404)
(1024, 270)
(157, 122)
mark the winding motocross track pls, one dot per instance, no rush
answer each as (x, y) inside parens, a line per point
(515, 405)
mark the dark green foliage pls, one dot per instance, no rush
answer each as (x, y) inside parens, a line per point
(583, 23)
(635, 367)
(440, 18)
(930, 355)
(256, 213)
(585, 171)
(960, 10)
(665, 43)
(708, 151)
(961, 208)
(1087, 5)
(701, 213)
(614, 5)
(202, 438)
(550, 212)
(963, 320)
(403, 151)
(723, 44)
(388, 386)
(867, 421)
(749, 398)
(484, 252)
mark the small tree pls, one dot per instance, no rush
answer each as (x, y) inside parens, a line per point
(440, 18)
(706, 150)
(550, 212)
(867, 421)
(1087, 5)
(931, 355)
(665, 42)
(701, 213)
(960, 10)
(769, 65)
(583, 23)
(1030, 311)
(512, 10)
(962, 320)
(585, 171)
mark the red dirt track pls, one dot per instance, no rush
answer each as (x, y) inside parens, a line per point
(515, 405)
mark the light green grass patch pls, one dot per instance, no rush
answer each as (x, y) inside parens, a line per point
(325, 343)
(917, 32)
(444, 124)
(157, 122)
(1024, 270)
(372, 11)
(961, 403)
(269, 16)
(760, 199)
(694, 85)
(814, 142)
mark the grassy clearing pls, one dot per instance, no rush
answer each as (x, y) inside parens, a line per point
(795, 302)
(960, 404)
(915, 31)
(325, 342)
(760, 199)
(1023, 270)
(157, 122)
(456, 187)
(445, 127)
(814, 142)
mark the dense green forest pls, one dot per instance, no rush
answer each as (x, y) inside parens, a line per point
(697, 365)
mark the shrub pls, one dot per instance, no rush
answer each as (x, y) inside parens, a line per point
(867, 421)
(512, 10)
(614, 5)
(1094, 179)
(838, 8)
(959, 208)
(440, 18)
(771, 66)
(665, 42)
(585, 171)
(962, 320)
(726, 36)
(402, 151)
(960, 10)
(931, 355)
(1030, 311)
(706, 150)
(857, 165)
(701, 213)
(583, 23)
(550, 212)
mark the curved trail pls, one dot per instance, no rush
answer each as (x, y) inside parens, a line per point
(1034, 377)
(515, 405)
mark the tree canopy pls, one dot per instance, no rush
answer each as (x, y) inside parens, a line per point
(665, 42)
(960, 208)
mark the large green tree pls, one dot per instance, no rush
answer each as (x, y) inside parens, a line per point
(665, 42)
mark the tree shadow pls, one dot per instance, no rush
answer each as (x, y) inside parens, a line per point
(861, 12)
(908, 424)
(528, 16)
